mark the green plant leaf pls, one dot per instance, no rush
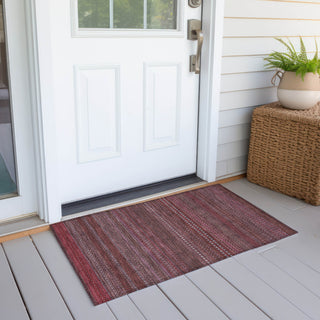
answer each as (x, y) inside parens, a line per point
(292, 60)
(303, 51)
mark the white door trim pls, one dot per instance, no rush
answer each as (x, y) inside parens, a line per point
(43, 98)
(209, 102)
(39, 40)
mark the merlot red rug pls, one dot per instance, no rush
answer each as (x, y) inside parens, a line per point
(127, 249)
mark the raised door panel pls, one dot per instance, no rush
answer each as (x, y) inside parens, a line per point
(98, 112)
(161, 106)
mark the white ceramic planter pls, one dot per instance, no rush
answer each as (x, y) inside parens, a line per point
(298, 99)
(294, 93)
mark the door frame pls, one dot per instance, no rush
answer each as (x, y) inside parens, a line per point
(39, 38)
(39, 41)
(210, 81)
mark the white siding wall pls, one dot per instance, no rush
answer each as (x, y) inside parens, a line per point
(249, 30)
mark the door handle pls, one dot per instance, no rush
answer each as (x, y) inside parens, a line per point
(195, 33)
(195, 62)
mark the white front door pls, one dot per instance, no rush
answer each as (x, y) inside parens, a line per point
(18, 193)
(126, 103)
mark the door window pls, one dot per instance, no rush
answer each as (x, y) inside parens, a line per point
(127, 14)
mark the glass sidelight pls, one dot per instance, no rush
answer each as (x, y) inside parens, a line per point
(8, 180)
(128, 14)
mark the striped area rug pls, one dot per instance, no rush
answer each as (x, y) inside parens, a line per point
(127, 249)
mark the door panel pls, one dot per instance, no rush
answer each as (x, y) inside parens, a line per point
(162, 90)
(97, 108)
(126, 102)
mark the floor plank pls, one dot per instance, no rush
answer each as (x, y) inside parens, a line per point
(305, 245)
(155, 305)
(190, 300)
(281, 199)
(67, 280)
(11, 304)
(305, 248)
(260, 200)
(261, 294)
(292, 218)
(38, 290)
(281, 282)
(234, 304)
(308, 277)
(309, 218)
(124, 309)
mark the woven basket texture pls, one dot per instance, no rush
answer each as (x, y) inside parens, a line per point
(284, 153)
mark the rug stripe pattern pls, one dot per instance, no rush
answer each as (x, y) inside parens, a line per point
(128, 249)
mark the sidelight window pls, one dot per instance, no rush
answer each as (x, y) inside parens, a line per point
(8, 179)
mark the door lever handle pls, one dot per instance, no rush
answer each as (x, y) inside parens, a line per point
(197, 57)
(195, 33)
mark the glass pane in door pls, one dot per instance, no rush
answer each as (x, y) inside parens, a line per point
(127, 14)
(93, 13)
(162, 14)
(8, 183)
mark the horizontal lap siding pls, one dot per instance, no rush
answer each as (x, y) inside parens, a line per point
(249, 30)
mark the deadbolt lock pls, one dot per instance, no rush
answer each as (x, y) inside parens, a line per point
(194, 3)
(193, 26)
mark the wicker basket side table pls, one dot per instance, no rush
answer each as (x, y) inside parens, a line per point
(284, 153)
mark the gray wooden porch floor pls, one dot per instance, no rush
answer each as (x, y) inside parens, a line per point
(278, 281)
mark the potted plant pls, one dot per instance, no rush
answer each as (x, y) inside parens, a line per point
(299, 86)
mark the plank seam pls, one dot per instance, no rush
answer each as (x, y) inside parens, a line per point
(235, 125)
(245, 55)
(239, 124)
(137, 307)
(111, 311)
(271, 37)
(237, 108)
(233, 286)
(254, 55)
(233, 159)
(303, 2)
(263, 250)
(16, 282)
(186, 276)
(53, 280)
(233, 141)
(157, 285)
(245, 72)
(266, 258)
(248, 89)
(267, 18)
(293, 256)
(275, 290)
